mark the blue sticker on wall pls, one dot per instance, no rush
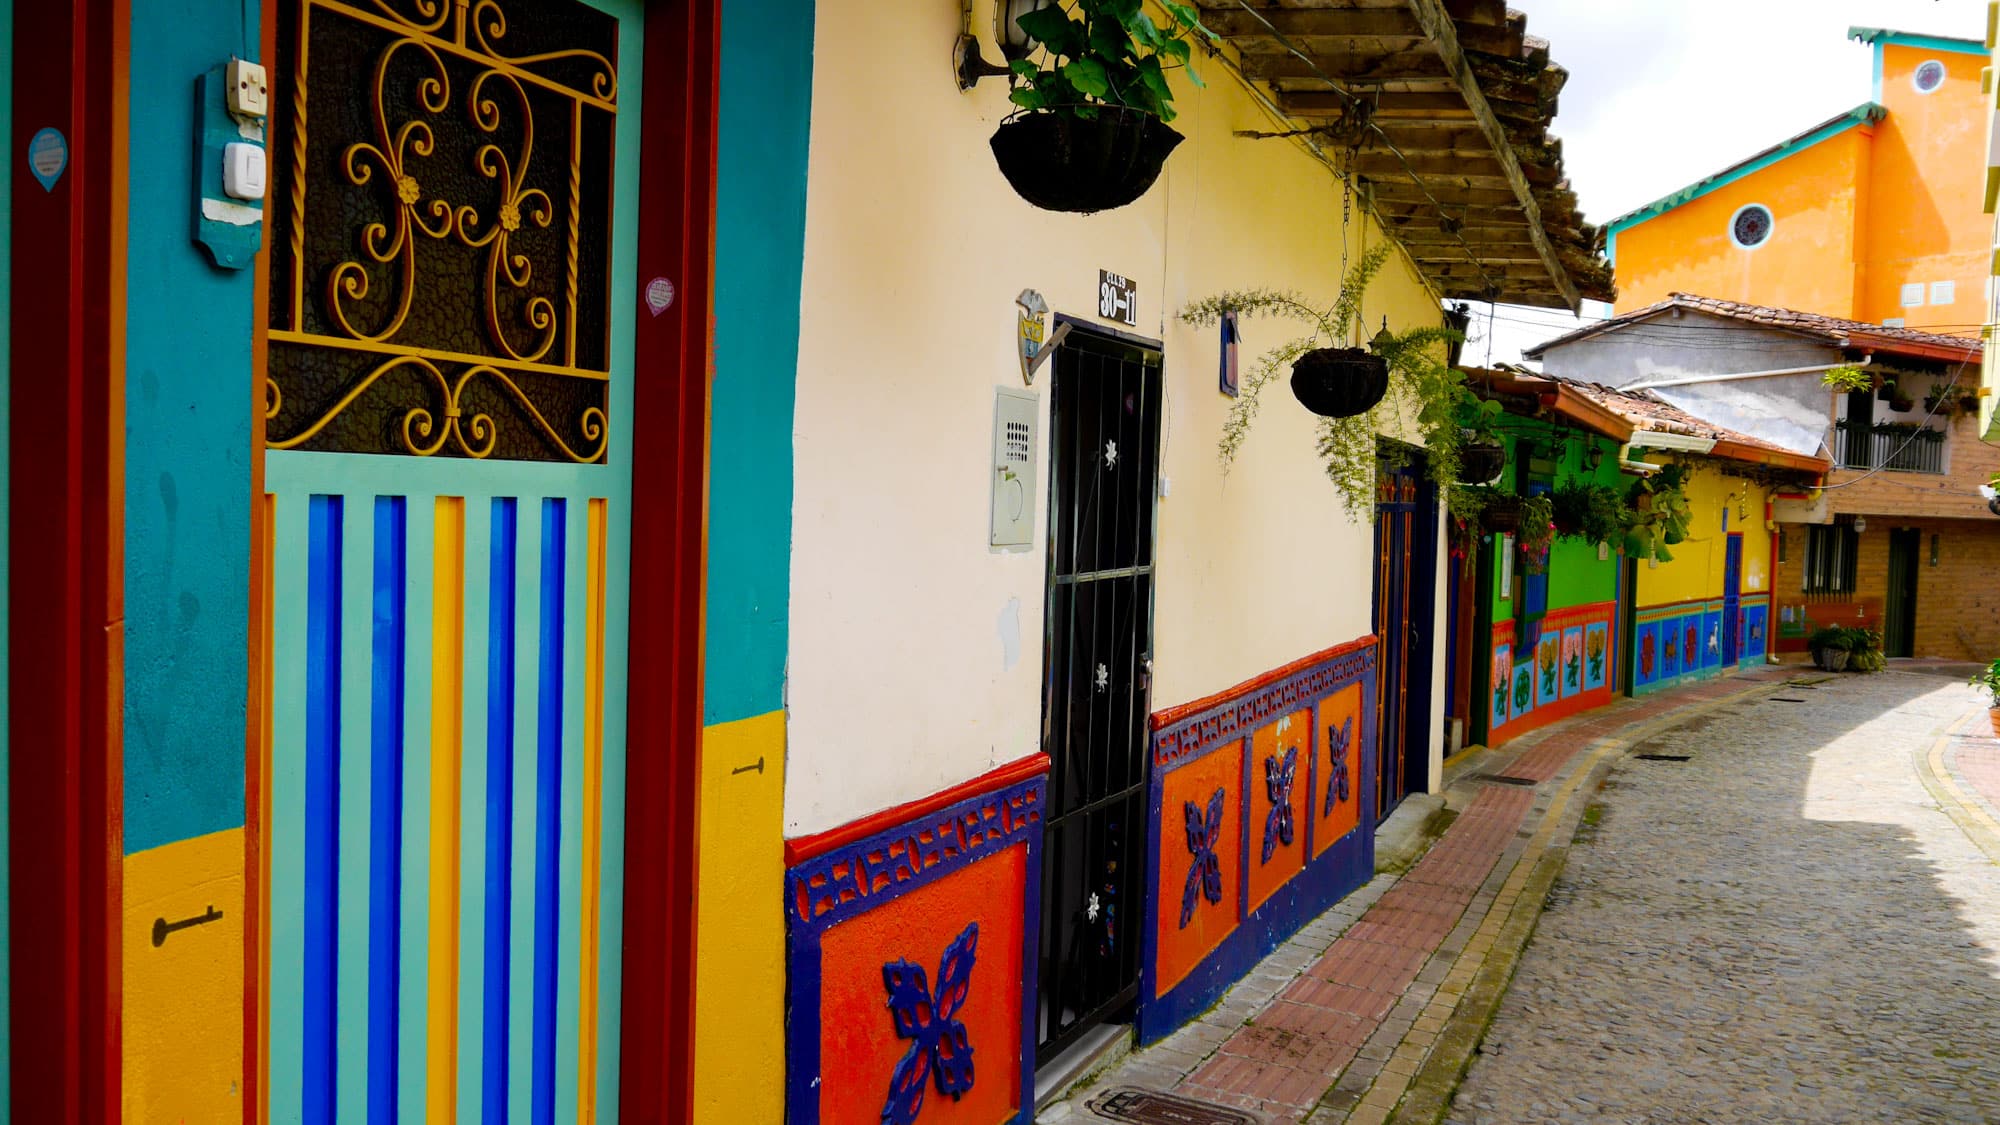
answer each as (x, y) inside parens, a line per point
(48, 155)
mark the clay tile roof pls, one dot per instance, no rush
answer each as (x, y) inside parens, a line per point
(1841, 333)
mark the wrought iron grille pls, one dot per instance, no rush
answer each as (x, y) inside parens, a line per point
(441, 211)
(1105, 435)
(1888, 445)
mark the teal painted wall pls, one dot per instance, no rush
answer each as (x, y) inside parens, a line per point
(188, 329)
(759, 243)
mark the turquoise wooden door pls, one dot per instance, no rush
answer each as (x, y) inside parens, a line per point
(446, 526)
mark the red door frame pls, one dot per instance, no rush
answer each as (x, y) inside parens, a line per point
(669, 548)
(66, 586)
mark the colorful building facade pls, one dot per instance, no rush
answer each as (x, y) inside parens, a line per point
(1566, 634)
(529, 634)
(1868, 216)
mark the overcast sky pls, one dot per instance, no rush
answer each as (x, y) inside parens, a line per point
(1661, 95)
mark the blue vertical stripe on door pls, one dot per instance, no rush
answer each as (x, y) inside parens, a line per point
(548, 804)
(322, 813)
(385, 805)
(499, 807)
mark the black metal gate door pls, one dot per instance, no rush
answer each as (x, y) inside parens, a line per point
(1899, 610)
(1104, 442)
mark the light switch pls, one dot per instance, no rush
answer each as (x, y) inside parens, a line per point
(249, 89)
(243, 170)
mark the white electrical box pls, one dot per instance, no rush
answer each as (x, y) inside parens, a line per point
(1015, 455)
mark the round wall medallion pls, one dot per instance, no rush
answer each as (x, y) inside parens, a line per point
(1750, 226)
(1928, 77)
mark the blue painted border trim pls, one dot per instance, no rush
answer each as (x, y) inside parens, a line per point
(321, 948)
(499, 810)
(816, 898)
(1867, 113)
(1323, 880)
(385, 805)
(548, 804)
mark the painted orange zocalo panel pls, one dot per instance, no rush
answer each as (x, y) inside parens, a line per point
(1194, 786)
(1339, 730)
(857, 1033)
(1287, 742)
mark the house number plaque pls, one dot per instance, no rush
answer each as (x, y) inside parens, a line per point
(1117, 298)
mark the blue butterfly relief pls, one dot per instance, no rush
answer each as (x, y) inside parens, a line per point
(1336, 778)
(1278, 777)
(1205, 873)
(942, 1051)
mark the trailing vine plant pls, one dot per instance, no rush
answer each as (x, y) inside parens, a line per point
(1423, 387)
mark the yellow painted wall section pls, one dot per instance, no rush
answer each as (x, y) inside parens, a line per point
(739, 1061)
(183, 998)
(1808, 263)
(1927, 220)
(916, 649)
(1699, 561)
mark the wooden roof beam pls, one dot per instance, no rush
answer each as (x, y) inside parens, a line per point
(1437, 23)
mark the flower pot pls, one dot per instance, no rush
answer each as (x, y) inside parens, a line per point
(1901, 404)
(1994, 715)
(1830, 659)
(1481, 463)
(1340, 382)
(1885, 392)
(1061, 162)
(1501, 513)
(1931, 403)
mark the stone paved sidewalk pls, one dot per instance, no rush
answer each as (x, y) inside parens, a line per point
(1383, 998)
(1798, 926)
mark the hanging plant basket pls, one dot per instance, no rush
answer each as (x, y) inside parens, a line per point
(1501, 513)
(1481, 463)
(1885, 391)
(1901, 404)
(1340, 382)
(1061, 162)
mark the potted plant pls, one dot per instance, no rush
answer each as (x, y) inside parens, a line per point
(1536, 532)
(1828, 645)
(1864, 650)
(1949, 400)
(1359, 394)
(1502, 512)
(1588, 511)
(1091, 133)
(1989, 678)
(1887, 391)
(1656, 514)
(1482, 457)
(1846, 377)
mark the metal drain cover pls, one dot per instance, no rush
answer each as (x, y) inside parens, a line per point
(1503, 779)
(1150, 1108)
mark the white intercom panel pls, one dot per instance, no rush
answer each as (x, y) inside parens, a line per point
(1015, 454)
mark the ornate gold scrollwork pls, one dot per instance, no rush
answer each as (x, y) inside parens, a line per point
(391, 166)
(475, 435)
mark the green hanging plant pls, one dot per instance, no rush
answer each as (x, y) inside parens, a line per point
(1109, 53)
(1422, 386)
(1536, 533)
(1847, 377)
(1592, 512)
(1657, 514)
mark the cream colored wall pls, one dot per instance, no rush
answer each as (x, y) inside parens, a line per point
(916, 655)
(1700, 561)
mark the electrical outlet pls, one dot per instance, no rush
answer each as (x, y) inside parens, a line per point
(249, 89)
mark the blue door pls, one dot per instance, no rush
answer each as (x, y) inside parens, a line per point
(1732, 597)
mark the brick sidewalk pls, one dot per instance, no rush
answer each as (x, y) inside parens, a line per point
(1335, 1024)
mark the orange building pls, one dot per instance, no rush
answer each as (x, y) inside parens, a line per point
(1868, 216)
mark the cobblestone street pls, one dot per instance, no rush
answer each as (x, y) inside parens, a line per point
(1800, 926)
